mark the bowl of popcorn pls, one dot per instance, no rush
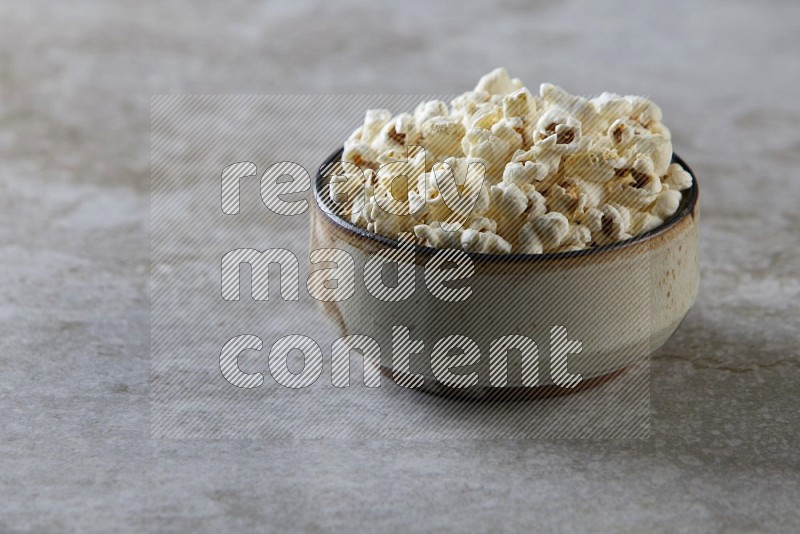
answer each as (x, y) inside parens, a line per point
(530, 241)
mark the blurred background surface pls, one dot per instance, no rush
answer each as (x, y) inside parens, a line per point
(76, 81)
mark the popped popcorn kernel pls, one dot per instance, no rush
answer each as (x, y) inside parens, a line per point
(503, 170)
(498, 82)
(677, 178)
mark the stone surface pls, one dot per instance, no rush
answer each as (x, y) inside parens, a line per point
(76, 80)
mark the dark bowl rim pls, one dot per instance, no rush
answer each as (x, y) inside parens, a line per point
(686, 208)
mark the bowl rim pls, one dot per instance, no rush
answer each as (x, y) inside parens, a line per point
(686, 208)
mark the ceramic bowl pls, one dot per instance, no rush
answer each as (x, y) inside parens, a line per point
(621, 301)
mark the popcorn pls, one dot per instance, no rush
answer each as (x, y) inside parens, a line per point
(579, 107)
(505, 130)
(391, 172)
(434, 236)
(461, 184)
(609, 224)
(507, 203)
(483, 224)
(484, 242)
(644, 222)
(562, 127)
(558, 172)
(550, 229)
(658, 148)
(537, 203)
(359, 153)
(611, 107)
(427, 110)
(529, 241)
(569, 198)
(599, 165)
(373, 122)
(452, 193)
(346, 184)
(644, 111)
(524, 172)
(577, 237)
(667, 203)
(494, 150)
(464, 106)
(434, 206)
(519, 104)
(442, 136)
(622, 132)
(677, 178)
(478, 238)
(485, 116)
(397, 133)
(498, 82)
(383, 214)
(545, 154)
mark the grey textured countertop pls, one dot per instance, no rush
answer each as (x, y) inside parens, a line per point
(76, 79)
